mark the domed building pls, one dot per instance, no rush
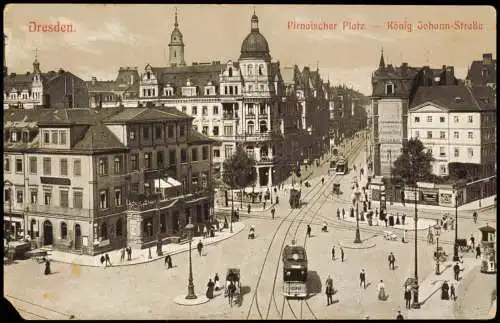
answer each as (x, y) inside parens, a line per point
(255, 44)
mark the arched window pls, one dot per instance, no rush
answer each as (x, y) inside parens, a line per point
(250, 127)
(230, 72)
(175, 53)
(261, 69)
(264, 151)
(104, 231)
(64, 231)
(263, 126)
(250, 69)
(119, 227)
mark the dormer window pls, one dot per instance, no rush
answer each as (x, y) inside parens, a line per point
(230, 72)
(148, 75)
(389, 89)
(459, 99)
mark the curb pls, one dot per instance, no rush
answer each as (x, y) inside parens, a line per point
(148, 260)
(352, 245)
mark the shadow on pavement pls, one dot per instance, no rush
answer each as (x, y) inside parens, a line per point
(244, 290)
(313, 284)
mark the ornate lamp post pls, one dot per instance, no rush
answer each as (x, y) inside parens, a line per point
(357, 239)
(438, 272)
(455, 246)
(189, 229)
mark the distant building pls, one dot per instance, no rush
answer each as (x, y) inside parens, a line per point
(91, 180)
(458, 125)
(483, 72)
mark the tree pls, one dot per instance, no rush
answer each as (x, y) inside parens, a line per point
(414, 164)
(238, 172)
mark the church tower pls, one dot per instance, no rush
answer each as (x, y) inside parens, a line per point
(176, 46)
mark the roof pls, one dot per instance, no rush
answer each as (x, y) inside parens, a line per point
(483, 72)
(456, 97)
(487, 228)
(288, 74)
(255, 44)
(98, 137)
(140, 115)
(197, 138)
(57, 117)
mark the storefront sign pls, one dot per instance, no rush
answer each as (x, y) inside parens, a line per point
(104, 243)
(55, 180)
(410, 195)
(429, 196)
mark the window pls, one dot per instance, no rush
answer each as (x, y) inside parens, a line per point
(216, 153)
(64, 231)
(6, 194)
(103, 166)
(133, 162)
(147, 161)
(181, 130)
(262, 109)
(132, 135)
(389, 89)
(469, 119)
(13, 136)
(470, 152)
(172, 157)
(442, 135)
(63, 165)
(134, 187)
(184, 109)
(77, 167)
(470, 135)
(145, 133)
(216, 130)
(442, 151)
(205, 130)
(104, 231)
(215, 109)
(170, 131)
(455, 134)
(118, 196)
(19, 195)
(417, 119)
(194, 154)
(429, 150)
(456, 119)
(117, 164)
(46, 166)
(77, 199)
(194, 110)
(33, 165)
(158, 132)
(457, 152)
(119, 228)
(228, 130)
(442, 169)
(34, 196)
(183, 156)
(103, 199)
(429, 118)
(6, 164)
(204, 111)
(19, 165)
(63, 198)
(62, 137)
(47, 197)
(159, 159)
(228, 150)
(441, 119)
(429, 134)
(250, 127)
(204, 152)
(54, 137)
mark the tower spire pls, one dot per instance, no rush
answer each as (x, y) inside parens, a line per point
(176, 24)
(382, 62)
(36, 64)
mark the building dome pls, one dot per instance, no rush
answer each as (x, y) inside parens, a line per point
(255, 44)
(176, 37)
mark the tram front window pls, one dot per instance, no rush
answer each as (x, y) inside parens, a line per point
(295, 275)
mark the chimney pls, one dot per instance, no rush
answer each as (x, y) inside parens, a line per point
(404, 65)
(94, 80)
(487, 58)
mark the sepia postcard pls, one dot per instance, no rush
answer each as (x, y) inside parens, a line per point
(221, 162)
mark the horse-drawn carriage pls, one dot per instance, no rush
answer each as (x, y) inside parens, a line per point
(295, 198)
(233, 278)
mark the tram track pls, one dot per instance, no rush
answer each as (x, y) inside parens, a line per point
(37, 311)
(293, 215)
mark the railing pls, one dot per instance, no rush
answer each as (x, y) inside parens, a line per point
(255, 136)
(229, 116)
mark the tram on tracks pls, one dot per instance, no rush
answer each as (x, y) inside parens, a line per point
(294, 271)
(342, 166)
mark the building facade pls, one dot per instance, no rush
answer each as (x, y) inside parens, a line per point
(89, 181)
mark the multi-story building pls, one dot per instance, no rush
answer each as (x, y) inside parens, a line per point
(60, 89)
(458, 125)
(123, 91)
(483, 72)
(393, 91)
(90, 180)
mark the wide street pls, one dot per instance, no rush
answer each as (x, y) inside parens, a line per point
(146, 291)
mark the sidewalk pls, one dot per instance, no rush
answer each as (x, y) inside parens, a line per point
(432, 306)
(140, 256)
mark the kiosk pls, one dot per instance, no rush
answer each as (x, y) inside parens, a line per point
(488, 241)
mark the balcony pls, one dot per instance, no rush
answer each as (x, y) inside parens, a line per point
(255, 137)
(265, 159)
(63, 211)
(229, 116)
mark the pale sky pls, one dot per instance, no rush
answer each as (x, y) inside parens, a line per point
(109, 36)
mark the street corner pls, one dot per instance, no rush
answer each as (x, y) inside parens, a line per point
(183, 301)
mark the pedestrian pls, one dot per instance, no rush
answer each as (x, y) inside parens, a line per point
(474, 216)
(444, 291)
(272, 212)
(264, 204)
(478, 251)
(129, 253)
(260, 197)
(205, 232)
(404, 236)
(122, 255)
(362, 278)
(333, 253)
(385, 220)
(343, 213)
(342, 254)
(381, 290)
(217, 282)
(308, 231)
(275, 191)
(210, 289)
(322, 180)
(102, 259)
(249, 207)
(231, 289)
(106, 258)
(168, 261)
(456, 270)
(473, 241)
(399, 316)
(199, 247)
(329, 291)
(47, 266)
(338, 213)
(408, 297)
(453, 297)
(403, 218)
(391, 260)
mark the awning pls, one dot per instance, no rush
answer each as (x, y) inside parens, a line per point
(169, 182)
(173, 182)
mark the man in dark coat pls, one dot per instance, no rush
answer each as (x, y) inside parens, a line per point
(168, 261)
(391, 260)
(342, 254)
(408, 298)
(456, 270)
(108, 261)
(478, 251)
(272, 212)
(199, 247)
(362, 278)
(308, 231)
(333, 253)
(444, 291)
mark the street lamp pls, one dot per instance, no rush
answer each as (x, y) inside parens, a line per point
(455, 247)
(416, 303)
(189, 229)
(357, 239)
(438, 272)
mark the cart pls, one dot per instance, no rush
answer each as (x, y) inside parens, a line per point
(389, 235)
(336, 188)
(233, 275)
